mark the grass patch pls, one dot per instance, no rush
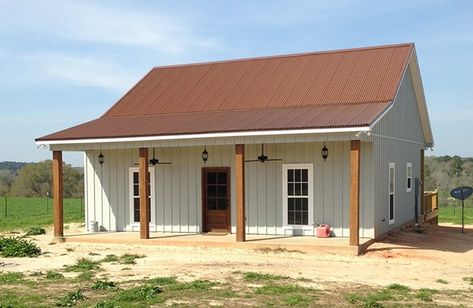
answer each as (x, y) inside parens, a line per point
(253, 276)
(276, 289)
(163, 281)
(83, 265)
(106, 304)
(442, 281)
(448, 215)
(54, 275)
(129, 258)
(24, 213)
(468, 279)
(104, 285)
(109, 258)
(17, 247)
(147, 293)
(297, 300)
(35, 231)
(71, 298)
(11, 278)
(85, 276)
(425, 294)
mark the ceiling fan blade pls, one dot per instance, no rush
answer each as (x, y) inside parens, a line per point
(164, 163)
(251, 160)
(274, 159)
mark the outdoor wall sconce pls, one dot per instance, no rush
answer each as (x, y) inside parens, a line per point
(101, 158)
(324, 153)
(205, 155)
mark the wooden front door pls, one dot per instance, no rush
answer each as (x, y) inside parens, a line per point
(216, 199)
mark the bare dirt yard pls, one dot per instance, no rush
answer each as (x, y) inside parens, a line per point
(432, 268)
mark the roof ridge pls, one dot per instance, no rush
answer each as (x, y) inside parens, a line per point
(250, 109)
(302, 54)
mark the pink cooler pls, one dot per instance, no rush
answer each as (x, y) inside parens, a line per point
(323, 230)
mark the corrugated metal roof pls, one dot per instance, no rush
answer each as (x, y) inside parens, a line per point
(343, 88)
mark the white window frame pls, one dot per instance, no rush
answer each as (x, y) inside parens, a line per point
(310, 197)
(393, 167)
(132, 225)
(408, 168)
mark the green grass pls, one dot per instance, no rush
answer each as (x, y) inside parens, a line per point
(83, 265)
(11, 278)
(24, 213)
(252, 276)
(448, 215)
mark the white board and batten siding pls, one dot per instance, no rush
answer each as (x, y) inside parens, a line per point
(178, 198)
(399, 139)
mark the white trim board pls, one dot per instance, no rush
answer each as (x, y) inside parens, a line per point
(212, 135)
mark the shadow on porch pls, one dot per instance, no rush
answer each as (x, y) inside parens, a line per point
(305, 244)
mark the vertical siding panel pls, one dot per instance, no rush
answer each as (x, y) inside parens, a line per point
(271, 173)
(175, 189)
(252, 179)
(113, 189)
(160, 192)
(167, 192)
(261, 195)
(278, 190)
(120, 172)
(193, 168)
(337, 193)
(328, 184)
(346, 190)
(184, 189)
(97, 189)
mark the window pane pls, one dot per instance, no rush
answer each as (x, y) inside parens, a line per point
(290, 175)
(298, 204)
(211, 191)
(408, 182)
(211, 204)
(297, 175)
(211, 178)
(391, 207)
(305, 205)
(290, 204)
(222, 204)
(135, 178)
(290, 218)
(305, 189)
(305, 219)
(298, 189)
(136, 209)
(290, 189)
(222, 191)
(136, 190)
(221, 178)
(305, 177)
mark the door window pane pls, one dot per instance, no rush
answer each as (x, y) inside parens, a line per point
(221, 178)
(211, 178)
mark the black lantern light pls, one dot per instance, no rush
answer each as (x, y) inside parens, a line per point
(324, 153)
(101, 158)
(205, 155)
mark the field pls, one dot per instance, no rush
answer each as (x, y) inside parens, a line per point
(454, 215)
(23, 213)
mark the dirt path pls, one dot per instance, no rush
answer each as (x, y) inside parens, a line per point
(408, 258)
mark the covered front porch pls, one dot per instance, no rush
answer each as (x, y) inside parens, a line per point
(257, 215)
(302, 244)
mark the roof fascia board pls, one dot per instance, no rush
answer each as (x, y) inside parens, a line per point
(206, 136)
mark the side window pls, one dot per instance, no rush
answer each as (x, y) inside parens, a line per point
(391, 192)
(409, 177)
(297, 195)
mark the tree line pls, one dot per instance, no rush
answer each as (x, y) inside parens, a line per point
(35, 179)
(443, 173)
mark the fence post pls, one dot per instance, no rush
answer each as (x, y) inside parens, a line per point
(47, 202)
(81, 207)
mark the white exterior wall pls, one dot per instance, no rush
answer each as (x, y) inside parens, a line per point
(178, 187)
(402, 121)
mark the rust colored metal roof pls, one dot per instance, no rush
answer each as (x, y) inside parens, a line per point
(344, 88)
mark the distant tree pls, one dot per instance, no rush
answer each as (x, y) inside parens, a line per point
(456, 166)
(6, 181)
(12, 166)
(35, 179)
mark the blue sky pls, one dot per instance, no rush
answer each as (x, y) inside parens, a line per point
(66, 62)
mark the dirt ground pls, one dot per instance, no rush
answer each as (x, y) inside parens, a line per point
(417, 260)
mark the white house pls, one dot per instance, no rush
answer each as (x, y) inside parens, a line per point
(271, 145)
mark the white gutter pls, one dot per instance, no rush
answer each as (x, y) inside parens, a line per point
(211, 135)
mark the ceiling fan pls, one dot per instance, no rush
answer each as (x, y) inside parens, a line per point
(262, 158)
(154, 161)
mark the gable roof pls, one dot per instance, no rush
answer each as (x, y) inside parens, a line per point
(332, 89)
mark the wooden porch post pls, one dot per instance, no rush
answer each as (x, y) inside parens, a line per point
(422, 190)
(58, 215)
(144, 193)
(240, 191)
(355, 193)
